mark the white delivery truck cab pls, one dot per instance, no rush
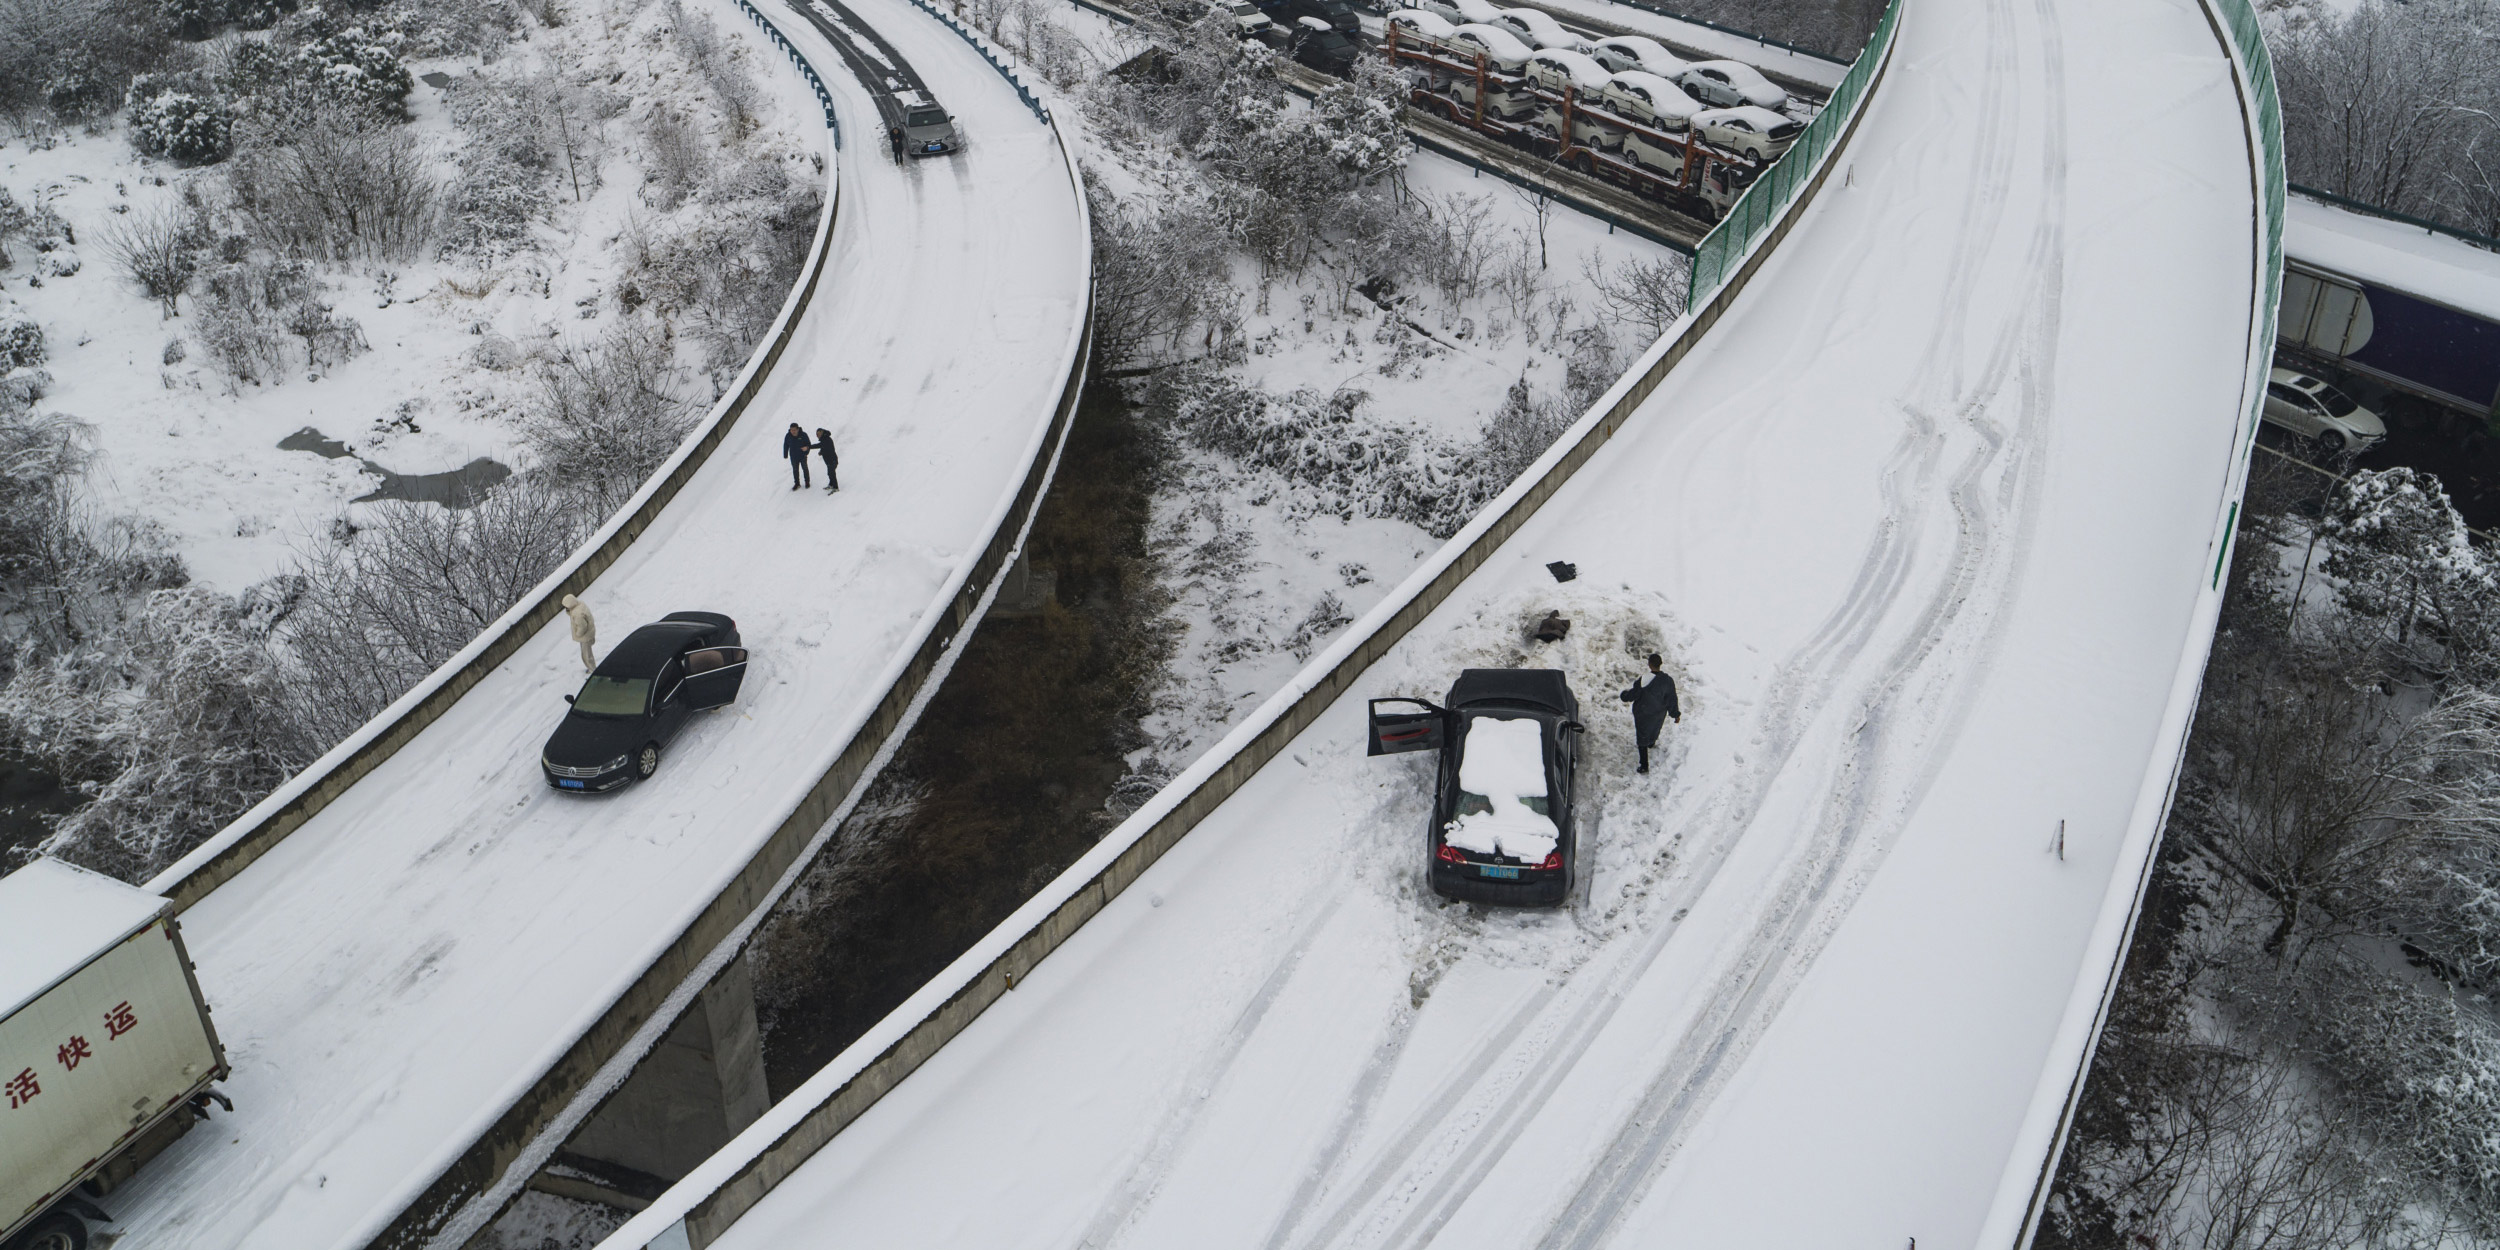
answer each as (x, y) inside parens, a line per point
(106, 1050)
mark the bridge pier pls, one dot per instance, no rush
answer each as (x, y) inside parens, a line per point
(702, 1084)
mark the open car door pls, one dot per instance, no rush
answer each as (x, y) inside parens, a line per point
(1419, 729)
(712, 676)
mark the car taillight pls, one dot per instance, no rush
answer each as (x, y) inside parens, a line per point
(1448, 854)
(1553, 859)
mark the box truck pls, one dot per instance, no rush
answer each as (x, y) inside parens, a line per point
(106, 1050)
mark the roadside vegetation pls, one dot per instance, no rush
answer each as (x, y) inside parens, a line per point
(2394, 103)
(281, 170)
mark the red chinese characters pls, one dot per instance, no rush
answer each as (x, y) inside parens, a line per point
(119, 1021)
(74, 1050)
(22, 1089)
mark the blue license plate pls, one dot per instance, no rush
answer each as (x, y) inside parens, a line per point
(1506, 874)
(576, 785)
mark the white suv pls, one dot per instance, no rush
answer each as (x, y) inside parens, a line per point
(2314, 410)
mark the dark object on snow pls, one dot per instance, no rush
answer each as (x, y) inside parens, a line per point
(436, 79)
(1554, 628)
(794, 448)
(1563, 570)
(894, 139)
(634, 703)
(824, 447)
(1534, 694)
(1653, 703)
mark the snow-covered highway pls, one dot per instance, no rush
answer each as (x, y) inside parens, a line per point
(1929, 526)
(404, 969)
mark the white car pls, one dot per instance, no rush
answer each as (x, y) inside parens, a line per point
(1728, 84)
(1461, 12)
(1648, 100)
(1630, 52)
(1422, 24)
(1536, 29)
(1501, 49)
(1248, 22)
(1756, 132)
(1500, 101)
(1565, 72)
(2314, 410)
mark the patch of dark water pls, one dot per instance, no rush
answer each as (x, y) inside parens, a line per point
(463, 487)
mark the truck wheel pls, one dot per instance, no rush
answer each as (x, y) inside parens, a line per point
(57, 1231)
(647, 761)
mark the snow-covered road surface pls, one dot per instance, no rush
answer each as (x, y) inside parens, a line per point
(1927, 527)
(397, 972)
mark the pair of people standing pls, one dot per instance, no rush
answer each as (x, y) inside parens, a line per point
(794, 448)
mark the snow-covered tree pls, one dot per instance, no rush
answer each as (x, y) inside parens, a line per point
(184, 128)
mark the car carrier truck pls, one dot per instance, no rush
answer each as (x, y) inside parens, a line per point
(106, 1050)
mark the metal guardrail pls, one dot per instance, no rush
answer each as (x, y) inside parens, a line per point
(1767, 201)
(1041, 112)
(824, 98)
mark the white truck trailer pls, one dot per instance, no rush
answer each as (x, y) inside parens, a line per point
(106, 1050)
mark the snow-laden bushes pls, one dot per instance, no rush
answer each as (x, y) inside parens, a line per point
(158, 249)
(184, 128)
(76, 54)
(343, 188)
(2394, 104)
(1159, 278)
(607, 412)
(169, 721)
(249, 309)
(373, 616)
(720, 275)
(21, 342)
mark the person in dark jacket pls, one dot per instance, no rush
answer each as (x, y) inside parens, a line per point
(1653, 704)
(824, 447)
(794, 448)
(894, 136)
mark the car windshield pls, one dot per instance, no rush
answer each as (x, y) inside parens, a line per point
(1503, 807)
(613, 696)
(929, 117)
(1784, 129)
(2336, 402)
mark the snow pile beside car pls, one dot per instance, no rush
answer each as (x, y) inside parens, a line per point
(1501, 774)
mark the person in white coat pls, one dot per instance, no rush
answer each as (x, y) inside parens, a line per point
(585, 630)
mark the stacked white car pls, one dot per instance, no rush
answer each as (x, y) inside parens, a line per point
(1633, 110)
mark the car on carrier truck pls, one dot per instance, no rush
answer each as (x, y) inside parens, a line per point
(1507, 747)
(107, 1054)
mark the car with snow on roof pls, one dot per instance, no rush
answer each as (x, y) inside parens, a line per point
(1758, 133)
(2317, 411)
(1729, 84)
(1462, 12)
(640, 697)
(1500, 49)
(1622, 52)
(1503, 826)
(1536, 29)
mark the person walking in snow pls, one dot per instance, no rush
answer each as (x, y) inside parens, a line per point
(824, 447)
(794, 448)
(894, 137)
(585, 630)
(1653, 704)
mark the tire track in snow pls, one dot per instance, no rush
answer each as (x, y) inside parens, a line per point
(1749, 997)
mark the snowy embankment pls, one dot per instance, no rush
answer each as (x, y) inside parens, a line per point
(1937, 576)
(396, 973)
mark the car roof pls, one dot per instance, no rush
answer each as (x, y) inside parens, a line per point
(1496, 40)
(646, 649)
(1754, 113)
(1543, 688)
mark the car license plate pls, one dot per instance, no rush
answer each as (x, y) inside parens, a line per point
(1506, 874)
(570, 784)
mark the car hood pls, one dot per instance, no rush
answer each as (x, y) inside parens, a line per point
(589, 741)
(2365, 423)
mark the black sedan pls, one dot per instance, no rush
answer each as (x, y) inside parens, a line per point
(640, 696)
(1502, 826)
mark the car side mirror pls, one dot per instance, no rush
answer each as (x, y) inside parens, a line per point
(568, 698)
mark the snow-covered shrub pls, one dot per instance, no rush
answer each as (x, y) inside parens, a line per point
(170, 723)
(446, 28)
(722, 275)
(342, 188)
(2396, 104)
(329, 340)
(607, 412)
(80, 91)
(1645, 296)
(413, 586)
(159, 251)
(238, 325)
(1518, 432)
(1158, 277)
(676, 159)
(714, 59)
(186, 129)
(350, 64)
(21, 342)
(1352, 465)
(2401, 555)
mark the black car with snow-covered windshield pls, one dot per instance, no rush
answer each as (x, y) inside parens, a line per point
(1508, 744)
(640, 696)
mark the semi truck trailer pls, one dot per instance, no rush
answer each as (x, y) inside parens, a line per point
(107, 1054)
